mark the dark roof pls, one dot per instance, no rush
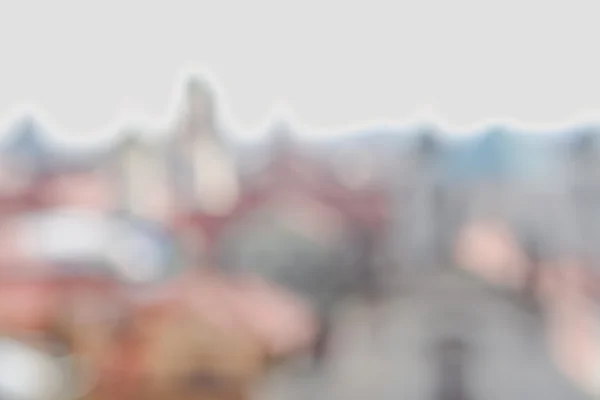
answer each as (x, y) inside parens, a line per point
(26, 137)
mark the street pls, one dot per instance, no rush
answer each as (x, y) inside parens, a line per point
(390, 354)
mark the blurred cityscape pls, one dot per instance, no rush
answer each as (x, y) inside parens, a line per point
(389, 263)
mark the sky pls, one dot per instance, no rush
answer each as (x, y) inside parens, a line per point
(329, 65)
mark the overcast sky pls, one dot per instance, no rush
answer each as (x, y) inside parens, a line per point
(335, 63)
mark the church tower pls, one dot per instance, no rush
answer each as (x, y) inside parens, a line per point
(206, 174)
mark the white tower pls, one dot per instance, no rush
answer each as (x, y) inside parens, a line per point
(214, 177)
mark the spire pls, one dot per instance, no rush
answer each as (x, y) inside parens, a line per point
(130, 138)
(26, 138)
(428, 144)
(494, 152)
(281, 136)
(585, 144)
(199, 107)
(26, 145)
